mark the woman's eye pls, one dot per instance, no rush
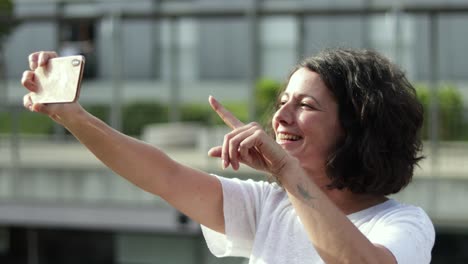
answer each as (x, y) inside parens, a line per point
(305, 105)
(281, 103)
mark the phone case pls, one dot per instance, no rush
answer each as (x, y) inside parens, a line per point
(59, 81)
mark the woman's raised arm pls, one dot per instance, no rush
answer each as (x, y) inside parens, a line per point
(193, 192)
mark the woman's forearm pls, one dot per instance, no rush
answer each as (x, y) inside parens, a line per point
(134, 160)
(334, 236)
(195, 193)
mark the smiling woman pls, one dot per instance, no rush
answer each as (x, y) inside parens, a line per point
(349, 122)
(381, 116)
(306, 122)
(346, 135)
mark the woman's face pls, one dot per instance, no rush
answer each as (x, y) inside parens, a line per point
(306, 123)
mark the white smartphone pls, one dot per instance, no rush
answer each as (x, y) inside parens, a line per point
(59, 81)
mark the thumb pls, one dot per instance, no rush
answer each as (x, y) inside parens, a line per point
(40, 108)
(215, 152)
(47, 109)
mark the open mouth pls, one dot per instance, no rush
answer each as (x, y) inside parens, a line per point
(287, 137)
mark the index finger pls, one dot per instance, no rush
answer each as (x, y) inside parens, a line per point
(40, 58)
(225, 115)
(32, 59)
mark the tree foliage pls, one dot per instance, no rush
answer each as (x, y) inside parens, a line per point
(6, 23)
(450, 118)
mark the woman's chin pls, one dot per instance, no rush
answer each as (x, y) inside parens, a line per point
(291, 146)
(295, 152)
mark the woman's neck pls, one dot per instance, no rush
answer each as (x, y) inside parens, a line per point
(344, 199)
(350, 202)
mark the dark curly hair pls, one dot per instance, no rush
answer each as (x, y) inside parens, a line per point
(380, 115)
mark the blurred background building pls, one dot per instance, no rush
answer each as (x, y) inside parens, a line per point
(150, 66)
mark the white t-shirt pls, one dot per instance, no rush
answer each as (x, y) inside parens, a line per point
(261, 224)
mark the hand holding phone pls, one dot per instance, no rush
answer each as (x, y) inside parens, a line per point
(59, 80)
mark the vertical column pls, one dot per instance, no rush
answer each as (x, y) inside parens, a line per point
(3, 77)
(300, 44)
(15, 168)
(254, 55)
(433, 61)
(397, 36)
(366, 24)
(198, 246)
(59, 131)
(33, 254)
(117, 71)
(156, 39)
(174, 82)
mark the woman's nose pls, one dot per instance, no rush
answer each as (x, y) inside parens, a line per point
(284, 114)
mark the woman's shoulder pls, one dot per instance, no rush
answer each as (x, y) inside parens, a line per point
(396, 218)
(391, 210)
(252, 184)
(400, 209)
(393, 213)
(263, 190)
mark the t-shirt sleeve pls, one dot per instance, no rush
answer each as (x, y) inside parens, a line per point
(409, 234)
(242, 203)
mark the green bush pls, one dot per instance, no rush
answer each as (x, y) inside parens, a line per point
(5, 123)
(266, 95)
(28, 123)
(138, 114)
(33, 123)
(238, 109)
(6, 9)
(451, 124)
(200, 113)
(100, 111)
(424, 96)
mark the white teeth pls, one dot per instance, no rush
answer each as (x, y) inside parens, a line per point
(288, 137)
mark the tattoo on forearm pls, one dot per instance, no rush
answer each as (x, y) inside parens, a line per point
(306, 195)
